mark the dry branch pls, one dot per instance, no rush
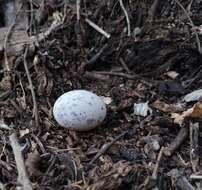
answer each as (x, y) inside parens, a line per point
(180, 181)
(181, 136)
(23, 179)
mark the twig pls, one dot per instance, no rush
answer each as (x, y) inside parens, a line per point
(128, 76)
(189, 7)
(35, 107)
(95, 76)
(179, 139)
(192, 25)
(180, 181)
(195, 78)
(155, 172)
(41, 146)
(97, 28)
(151, 181)
(146, 81)
(56, 24)
(22, 172)
(97, 55)
(124, 65)
(194, 147)
(196, 176)
(78, 25)
(7, 67)
(57, 150)
(105, 147)
(126, 15)
(31, 16)
(78, 5)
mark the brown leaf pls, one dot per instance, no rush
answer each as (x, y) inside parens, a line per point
(194, 112)
(197, 111)
(167, 108)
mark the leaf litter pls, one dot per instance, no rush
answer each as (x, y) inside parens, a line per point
(127, 52)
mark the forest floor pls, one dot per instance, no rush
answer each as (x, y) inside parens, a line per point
(143, 57)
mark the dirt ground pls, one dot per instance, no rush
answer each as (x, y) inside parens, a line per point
(128, 52)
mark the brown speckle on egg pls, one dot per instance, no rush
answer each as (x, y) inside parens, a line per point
(90, 121)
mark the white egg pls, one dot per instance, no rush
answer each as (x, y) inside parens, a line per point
(79, 110)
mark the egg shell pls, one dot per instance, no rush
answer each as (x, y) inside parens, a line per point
(79, 110)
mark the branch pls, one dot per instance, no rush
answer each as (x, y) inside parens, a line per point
(22, 173)
(175, 144)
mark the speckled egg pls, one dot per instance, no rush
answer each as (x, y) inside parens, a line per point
(79, 110)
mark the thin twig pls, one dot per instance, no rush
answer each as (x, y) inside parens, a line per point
(40, 144)
(149, 82)
(56, 24)
(192, 25)
(124, 65)
(22, 172)
(126, 15)
(197, 75)
(62, 150)
(133, 76)
(78, 5)
(194, 147)
(189, 7)
(105, 147)
(78, 25)
(179, 180)
(31, 16)
(35, 107)
(155, 172)
(196, 176)
(146, 81)
(97, 55)
(97, 28)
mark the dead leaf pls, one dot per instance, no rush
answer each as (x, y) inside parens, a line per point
(167, 108)
(194, 112)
